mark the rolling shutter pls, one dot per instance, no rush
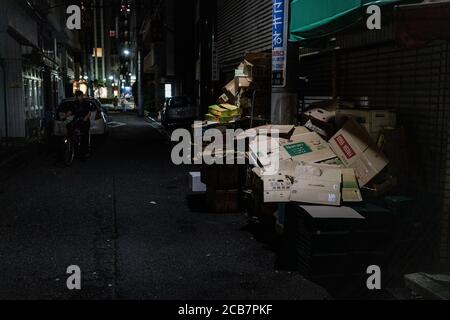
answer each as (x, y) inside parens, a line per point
(243, 26)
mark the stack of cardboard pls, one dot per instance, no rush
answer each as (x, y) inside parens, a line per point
(305, 168)
(253, 75)
(229, 108)
(223, 113)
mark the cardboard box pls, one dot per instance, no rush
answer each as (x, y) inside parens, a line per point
(265, 149)
(195, 183)
(324, 129)
(277, 188)
(255, 204)
(356, 149)
(243, 82)
(321, 114)
(317, 185)
(308, 148)
(350, 188)
(372, 120)
(231, 91)
(245, 69)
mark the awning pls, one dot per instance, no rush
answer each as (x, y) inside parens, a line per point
(315, 19)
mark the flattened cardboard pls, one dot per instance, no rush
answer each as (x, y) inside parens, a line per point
(317, 185)
(321, 212)
(308, 148)
(300, 130)
(265, 149)
(353, 145)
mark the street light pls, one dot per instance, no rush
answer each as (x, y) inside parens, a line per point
(126, 52)
(111, 78)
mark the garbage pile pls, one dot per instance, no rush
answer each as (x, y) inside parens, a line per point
(232, 102)
(329, 159)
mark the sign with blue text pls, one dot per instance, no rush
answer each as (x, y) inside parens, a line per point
(280, 30)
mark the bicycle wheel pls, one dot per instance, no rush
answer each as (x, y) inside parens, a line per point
(69, 153)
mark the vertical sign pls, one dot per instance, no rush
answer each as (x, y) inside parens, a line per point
(280, 30)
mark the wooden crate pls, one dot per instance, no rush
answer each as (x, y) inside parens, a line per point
(223, 201)
(221, 177)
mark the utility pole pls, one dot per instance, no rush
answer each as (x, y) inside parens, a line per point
(139, 48)
(139, 84)
(285, 65)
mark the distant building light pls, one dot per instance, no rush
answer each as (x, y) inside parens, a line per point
(97, 53)
(111, 78)
(168, 90)
(126, 52)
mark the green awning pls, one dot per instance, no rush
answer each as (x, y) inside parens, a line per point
(315, 19)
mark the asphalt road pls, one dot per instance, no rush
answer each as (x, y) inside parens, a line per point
(123, 218)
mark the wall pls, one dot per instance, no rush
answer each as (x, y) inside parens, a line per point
(13, 17)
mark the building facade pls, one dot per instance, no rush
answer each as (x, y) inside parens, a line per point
(38, 64)
(194, 46)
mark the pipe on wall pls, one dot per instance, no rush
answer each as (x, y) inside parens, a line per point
(5, 100)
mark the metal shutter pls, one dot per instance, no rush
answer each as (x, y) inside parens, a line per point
(243, 26)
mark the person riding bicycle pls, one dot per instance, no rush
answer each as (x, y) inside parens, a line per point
(81, 110)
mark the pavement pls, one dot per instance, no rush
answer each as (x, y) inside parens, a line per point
(123, 218)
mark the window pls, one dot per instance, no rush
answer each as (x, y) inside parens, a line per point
(32, 94)
(168, 90)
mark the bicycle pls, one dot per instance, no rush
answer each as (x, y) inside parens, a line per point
(68, 129)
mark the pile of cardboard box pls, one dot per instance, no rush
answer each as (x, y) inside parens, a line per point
(311, 170)
(223, 113)
(229, 106)
(246, 94)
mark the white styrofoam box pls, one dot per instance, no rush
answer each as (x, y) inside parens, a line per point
(195, 183)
